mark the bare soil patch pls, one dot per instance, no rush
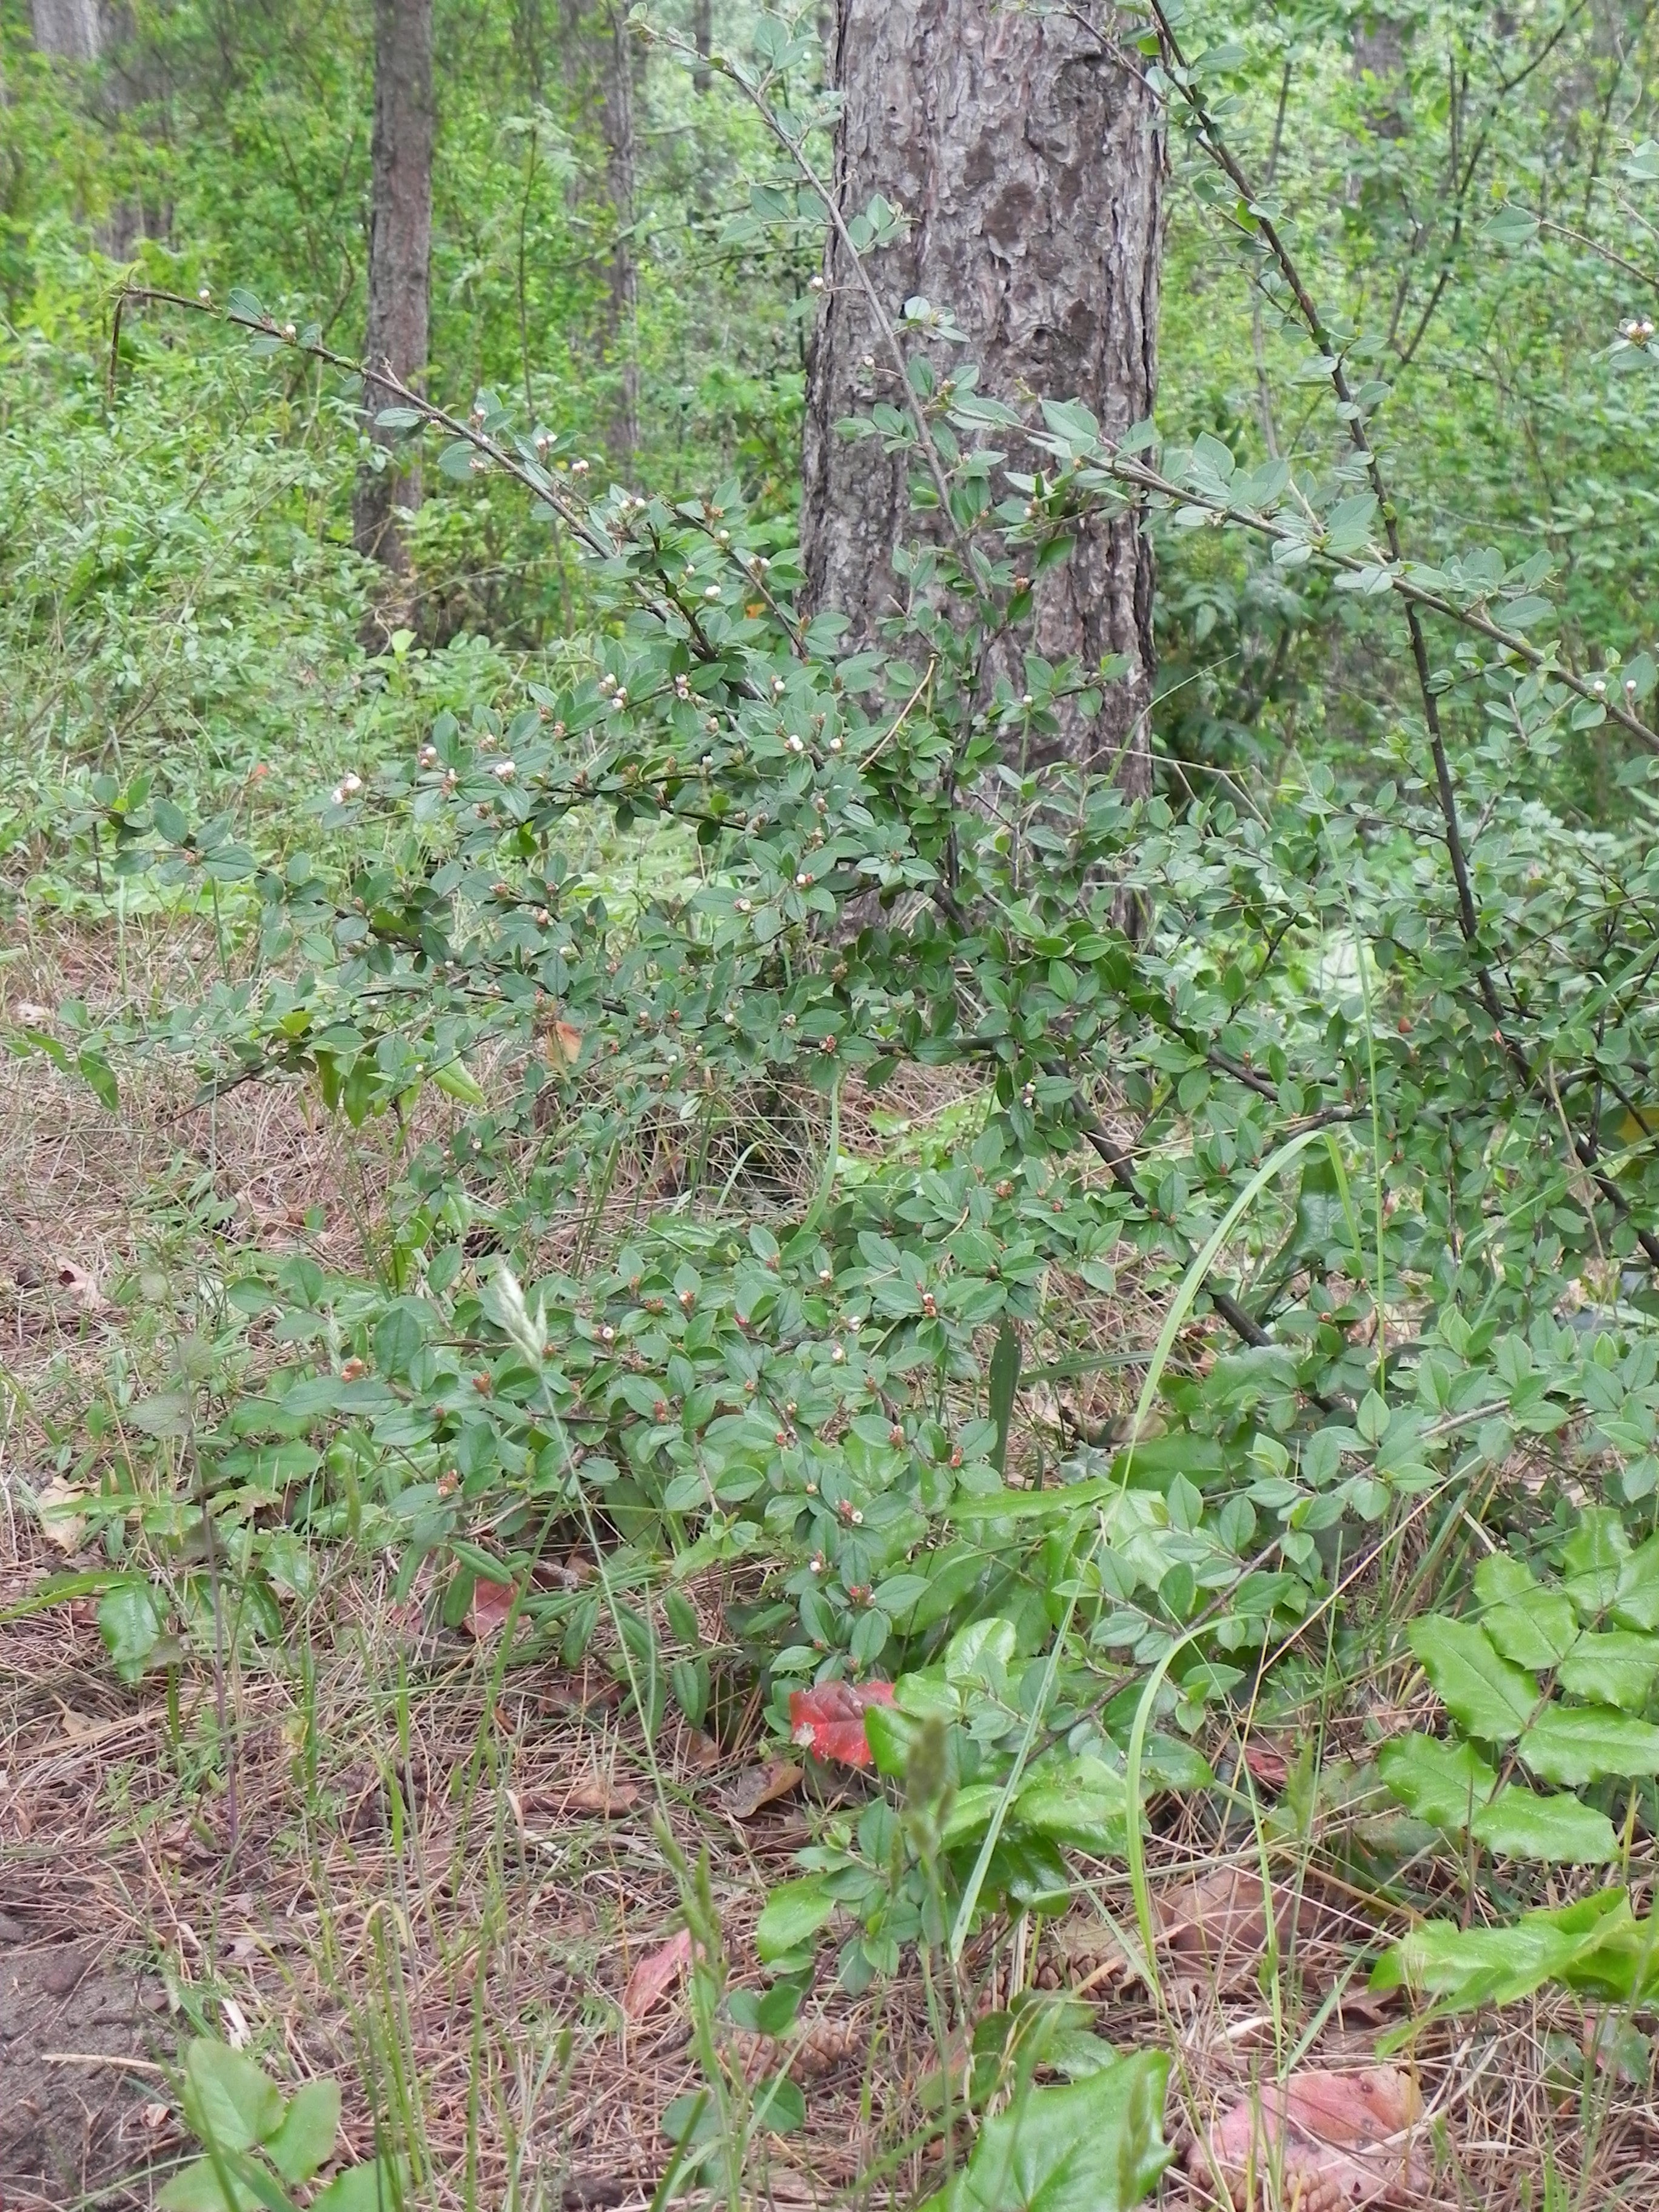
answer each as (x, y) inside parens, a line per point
(74, 2121)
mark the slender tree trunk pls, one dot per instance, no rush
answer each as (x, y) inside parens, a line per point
(1379, 66)
(87, 31)
(617, 109)
(528, 38)
(1025, 157)
(399, 254)
(702, 38)
(72, 30)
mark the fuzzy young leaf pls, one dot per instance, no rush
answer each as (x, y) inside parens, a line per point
(793, 1914)
(1096, 2145)
(305, 2140)
(227, 2101)
(204, 2186)
(372, 2188)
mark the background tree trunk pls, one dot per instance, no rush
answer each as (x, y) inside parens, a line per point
(617, 111)
(1026, 157)
(399, 255)
(73, 30)
(1379, 66)
(702, 38)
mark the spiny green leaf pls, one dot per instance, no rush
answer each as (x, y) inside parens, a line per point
(1470, 1966)
(1560, 1831)
(1446, 1783)
(1491, 1697)
(1576, 1744)
(1613, 1666)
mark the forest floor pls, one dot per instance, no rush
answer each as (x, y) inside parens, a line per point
(401, 1854)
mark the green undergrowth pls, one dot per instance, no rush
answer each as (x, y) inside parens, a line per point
(1326, 1091)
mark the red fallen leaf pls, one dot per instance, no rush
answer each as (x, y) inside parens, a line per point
(1271, 1768)
(656, 1974)
(1333, 2140)
(491, 1603)
(829, 1720)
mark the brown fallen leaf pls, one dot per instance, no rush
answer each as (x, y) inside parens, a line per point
(702, 1754)
(491, 1603)
(603, 1794)
(761, 1786)
(1216, 1925)
(1326, 2142)
(592, 2192)
(656, 1974)
(62, 1522)
(82, 1287)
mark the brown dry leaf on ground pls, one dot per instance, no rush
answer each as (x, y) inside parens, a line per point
(699, 1752)
(656, 1974)
(1212, 1927)
(603, 1794)
(1324, 2141)
(761, 1786)
(82, 1287)
(491, 1603)
(1215, 1927)
(62, 1522)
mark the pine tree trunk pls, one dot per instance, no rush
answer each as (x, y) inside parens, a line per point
(617, 111)
(1025, 155)
(399, 254)
(73, 30)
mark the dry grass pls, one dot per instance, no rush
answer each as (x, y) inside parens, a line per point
(387, 1863)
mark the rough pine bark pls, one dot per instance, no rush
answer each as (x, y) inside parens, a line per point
(617, 119)
(73, 30)
(399, 256)
(1025, 153)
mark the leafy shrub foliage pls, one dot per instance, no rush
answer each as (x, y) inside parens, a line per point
(1351, 1070)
